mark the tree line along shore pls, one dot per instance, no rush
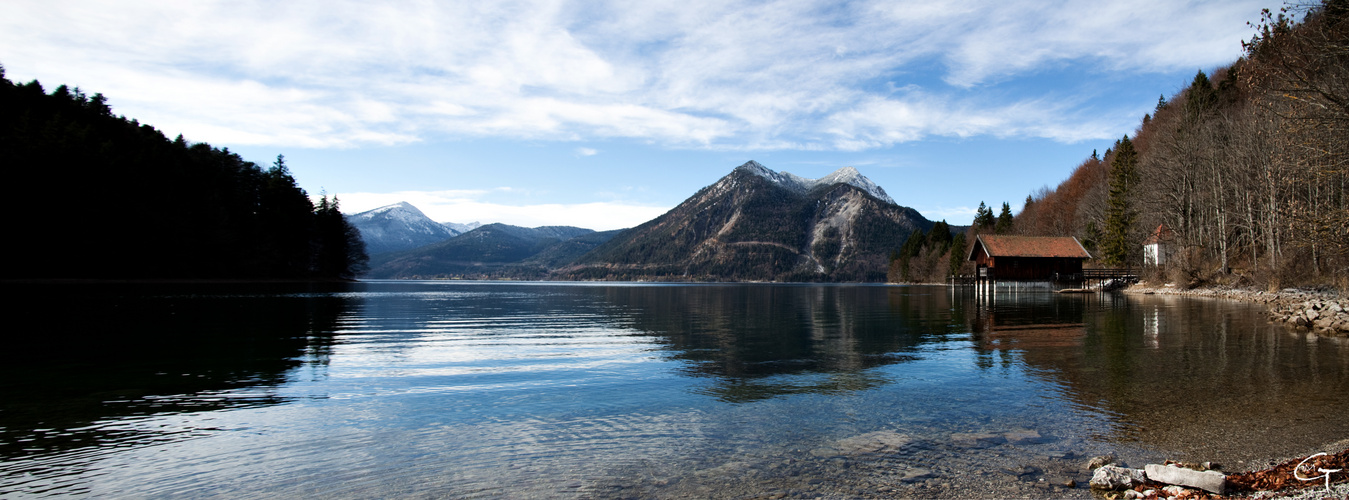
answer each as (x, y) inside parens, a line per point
(104, 197)
(1248, 167)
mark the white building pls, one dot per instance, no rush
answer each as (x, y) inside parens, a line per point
(1159, 247)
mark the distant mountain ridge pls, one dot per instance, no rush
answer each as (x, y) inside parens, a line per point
(493, 251)
(756, 224)
(401, 226)
(462, 228)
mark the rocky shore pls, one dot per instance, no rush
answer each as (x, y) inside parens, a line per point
(1321, 311)
(1317, 476)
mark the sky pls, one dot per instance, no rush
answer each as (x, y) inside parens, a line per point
(604, 115)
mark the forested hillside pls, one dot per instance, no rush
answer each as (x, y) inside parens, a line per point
(1248, 166)
(493, 251)
(97, 196)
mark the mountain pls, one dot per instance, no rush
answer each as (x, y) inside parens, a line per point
(845, 175)
(567, 251)
(399, 227)
(758, 224)
(491, 251)
(461, 228)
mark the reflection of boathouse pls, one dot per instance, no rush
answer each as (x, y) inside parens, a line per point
(1001, 257)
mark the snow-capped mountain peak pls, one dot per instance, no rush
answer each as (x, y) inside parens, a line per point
(845, 175)
(400, 226)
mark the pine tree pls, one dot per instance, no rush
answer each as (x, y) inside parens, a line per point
(1120, 214)
(339, 251)
(912, 247)
(1201, 97)
(940, 234)
(983, 217)
(957, 253)
(1004, 223)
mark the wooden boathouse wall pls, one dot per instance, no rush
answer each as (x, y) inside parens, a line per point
(1027, 258)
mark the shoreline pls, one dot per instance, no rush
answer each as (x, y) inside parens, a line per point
(1310, 311)
(1318, 311)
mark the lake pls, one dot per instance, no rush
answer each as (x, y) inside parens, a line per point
(637, 390)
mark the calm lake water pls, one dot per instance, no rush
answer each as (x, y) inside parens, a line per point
(464, 389)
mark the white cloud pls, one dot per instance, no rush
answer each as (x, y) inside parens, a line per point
(780, 74)
(1014, 37)
(467, 206)
(958, 216)
(587, 151)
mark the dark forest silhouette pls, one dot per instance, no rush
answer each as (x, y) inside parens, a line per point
(97, 196)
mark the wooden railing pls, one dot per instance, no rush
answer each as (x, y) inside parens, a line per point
(1110, 274)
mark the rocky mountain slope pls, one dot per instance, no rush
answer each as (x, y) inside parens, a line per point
(758, 224)
(396, 227)
(401, 226)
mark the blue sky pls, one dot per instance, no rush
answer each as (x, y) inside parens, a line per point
(606, 114)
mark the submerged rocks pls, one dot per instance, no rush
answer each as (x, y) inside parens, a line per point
(1100, 461)
(977, 439)
(1022, 437)
(871, 442)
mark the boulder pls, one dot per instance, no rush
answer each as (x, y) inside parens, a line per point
(1109, 477)
(1210, 481)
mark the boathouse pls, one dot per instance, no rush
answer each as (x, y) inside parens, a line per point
(1000, 257)
(1159, 246)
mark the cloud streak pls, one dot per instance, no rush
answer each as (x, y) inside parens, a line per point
(781, 74)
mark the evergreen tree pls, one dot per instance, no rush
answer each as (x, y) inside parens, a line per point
(912, 247)
(957, 253)
(200, 212)
(940, 235)
(983, 217)
(1091, 237)
(286, 217)
(339, 251)
(1120, 214)
(1201, 96)
(1004, 223)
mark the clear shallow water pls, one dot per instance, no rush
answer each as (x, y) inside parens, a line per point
(437, 389)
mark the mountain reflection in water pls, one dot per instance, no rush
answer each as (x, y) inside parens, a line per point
(612, 389)
(758, 342)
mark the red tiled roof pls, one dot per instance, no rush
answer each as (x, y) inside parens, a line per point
(1161, 234)
(1002, 245)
